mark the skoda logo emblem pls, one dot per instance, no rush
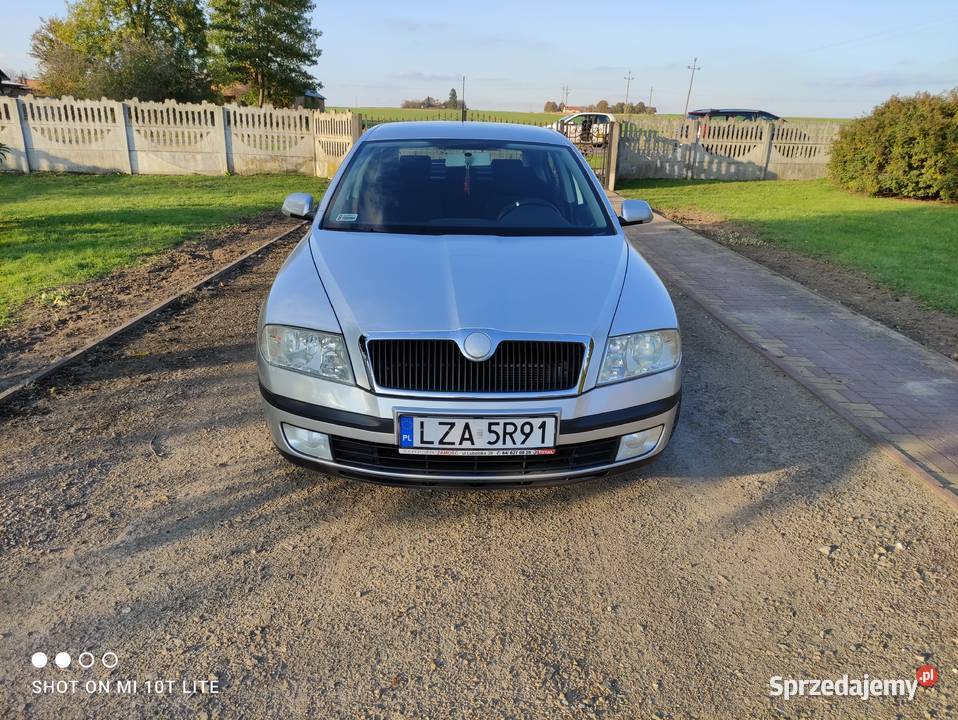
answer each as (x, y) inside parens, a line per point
(477, 345)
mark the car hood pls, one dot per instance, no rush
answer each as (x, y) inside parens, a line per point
(382, 283)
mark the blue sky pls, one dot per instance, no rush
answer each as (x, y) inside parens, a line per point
(827, 59)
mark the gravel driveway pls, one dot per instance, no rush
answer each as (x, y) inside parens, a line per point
(145, 513)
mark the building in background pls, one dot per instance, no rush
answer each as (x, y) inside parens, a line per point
(311, 100)
(12, 88)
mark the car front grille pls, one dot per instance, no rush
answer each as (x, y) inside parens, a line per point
(387, 458)
(439, 366)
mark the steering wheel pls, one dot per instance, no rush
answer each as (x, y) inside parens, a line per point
(527, 202)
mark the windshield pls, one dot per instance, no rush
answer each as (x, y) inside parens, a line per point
(466, 187)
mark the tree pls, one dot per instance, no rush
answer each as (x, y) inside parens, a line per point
(268, 44)
(602, 106)
(151, 49)
(551, 106)
(453, 102)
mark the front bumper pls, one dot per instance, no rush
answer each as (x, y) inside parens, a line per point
(589, 423)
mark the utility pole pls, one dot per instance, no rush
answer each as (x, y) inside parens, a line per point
(565, 94)
(693, 67)
(628, 81)
(462, 98)
(650, 96)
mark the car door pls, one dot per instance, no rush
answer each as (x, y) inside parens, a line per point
(601, 128)
(572, 127)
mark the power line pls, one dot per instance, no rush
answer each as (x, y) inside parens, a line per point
(883, 35)
(693, 67)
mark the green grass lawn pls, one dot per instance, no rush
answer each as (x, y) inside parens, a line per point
(62, 229)
(910, 246)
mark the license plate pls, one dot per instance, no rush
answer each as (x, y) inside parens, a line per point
(441, 435)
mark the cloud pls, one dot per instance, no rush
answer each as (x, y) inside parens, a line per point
(462, 34)
(636, 69)
(889, 81)
(416, 76)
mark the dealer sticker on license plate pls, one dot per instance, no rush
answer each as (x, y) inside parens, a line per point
(441, 435)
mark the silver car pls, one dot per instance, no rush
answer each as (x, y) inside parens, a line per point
(466, 310)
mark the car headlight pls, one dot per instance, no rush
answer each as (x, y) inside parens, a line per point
(631, 356)
(307, 351)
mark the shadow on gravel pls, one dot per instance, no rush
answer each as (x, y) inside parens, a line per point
(137, 365)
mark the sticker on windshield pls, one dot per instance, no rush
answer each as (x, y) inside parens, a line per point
(347, 217)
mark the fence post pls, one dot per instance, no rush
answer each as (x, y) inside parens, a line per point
(122, 141)
(613, 168)
(224, 142)
(769, 138)
(18, 141)
(355, 127)
(127, 131)
(693, 149)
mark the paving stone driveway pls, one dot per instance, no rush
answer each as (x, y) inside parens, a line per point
(897, 392)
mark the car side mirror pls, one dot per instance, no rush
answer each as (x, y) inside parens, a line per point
(299, 205)
(635, 212)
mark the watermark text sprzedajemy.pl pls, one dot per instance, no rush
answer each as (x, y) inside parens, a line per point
(864, 688)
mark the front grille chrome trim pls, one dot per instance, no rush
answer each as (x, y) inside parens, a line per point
(448, 366)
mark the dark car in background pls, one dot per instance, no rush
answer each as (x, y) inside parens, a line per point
(731, 114)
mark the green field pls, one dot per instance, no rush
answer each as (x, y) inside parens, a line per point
(908, 245)
(62, 229)
(385, 114)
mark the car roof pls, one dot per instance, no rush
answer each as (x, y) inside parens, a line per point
(732, 111)
(446, 130)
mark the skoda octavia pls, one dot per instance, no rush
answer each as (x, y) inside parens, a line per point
(466, 310)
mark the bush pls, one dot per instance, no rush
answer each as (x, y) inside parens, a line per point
(906, 147)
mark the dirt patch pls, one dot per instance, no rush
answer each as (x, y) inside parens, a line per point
(63, 320)
(934, 329)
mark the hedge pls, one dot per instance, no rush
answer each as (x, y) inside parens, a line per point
(907, 147)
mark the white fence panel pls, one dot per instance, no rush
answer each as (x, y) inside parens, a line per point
(653, 149)
(730, 150)
(334, 135)
(724, 149)
(801, 151)
(171, 138)
(270, 140)
(68, 135)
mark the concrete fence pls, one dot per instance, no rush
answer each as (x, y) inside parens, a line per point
(170, 138)
(724, 149)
